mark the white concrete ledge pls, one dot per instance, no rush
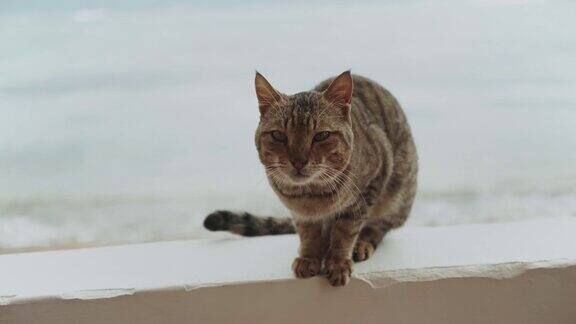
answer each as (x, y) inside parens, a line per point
(498, 273)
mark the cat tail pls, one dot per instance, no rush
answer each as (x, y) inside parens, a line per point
(246, 224)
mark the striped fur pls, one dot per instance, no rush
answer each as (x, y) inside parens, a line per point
(246, 224)
(344, 192)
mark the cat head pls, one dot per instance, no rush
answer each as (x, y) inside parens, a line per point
(305, 137)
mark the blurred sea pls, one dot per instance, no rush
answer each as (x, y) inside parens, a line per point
(128, 123)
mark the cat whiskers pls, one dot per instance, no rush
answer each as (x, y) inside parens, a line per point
(326, 181)
(346, 181)
(275, 173)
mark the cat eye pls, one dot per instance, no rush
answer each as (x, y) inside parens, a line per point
(321, 136)
(279, 136)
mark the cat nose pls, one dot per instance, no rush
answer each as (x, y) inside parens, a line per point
(299, 164)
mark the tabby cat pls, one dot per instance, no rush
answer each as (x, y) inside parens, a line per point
(341, 158)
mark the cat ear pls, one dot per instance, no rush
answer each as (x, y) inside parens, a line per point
(340, 90)
(267, 95)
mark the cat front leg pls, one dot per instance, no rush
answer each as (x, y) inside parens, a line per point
(343, 235)
(312, 249)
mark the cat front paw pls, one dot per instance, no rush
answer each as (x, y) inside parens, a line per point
(338, 271)
(363, 251)
(306, 267)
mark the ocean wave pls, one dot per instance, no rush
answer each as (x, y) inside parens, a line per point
(99, 220)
